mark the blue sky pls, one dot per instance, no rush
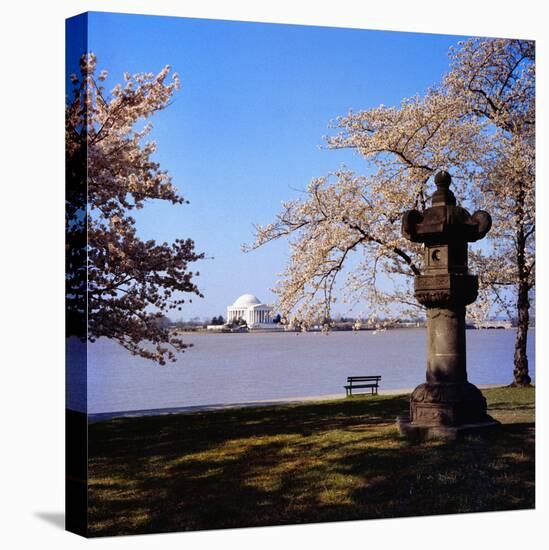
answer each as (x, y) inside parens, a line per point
(244, 133)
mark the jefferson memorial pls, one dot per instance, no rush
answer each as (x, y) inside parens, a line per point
(250, 309)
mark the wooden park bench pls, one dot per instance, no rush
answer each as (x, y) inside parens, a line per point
(355, 382)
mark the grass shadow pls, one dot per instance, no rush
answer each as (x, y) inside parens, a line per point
(326, 461)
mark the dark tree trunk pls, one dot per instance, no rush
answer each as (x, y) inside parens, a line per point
(520, 373)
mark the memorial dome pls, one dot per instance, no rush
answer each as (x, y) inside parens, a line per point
(247, 300)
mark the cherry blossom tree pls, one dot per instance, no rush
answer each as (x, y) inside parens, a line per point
(488, 148)
(496, 78)
(120, 284)
(344, 213)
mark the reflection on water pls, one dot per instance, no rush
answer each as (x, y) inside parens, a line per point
(232, 368)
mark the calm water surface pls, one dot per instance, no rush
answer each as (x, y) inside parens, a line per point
(239, 368)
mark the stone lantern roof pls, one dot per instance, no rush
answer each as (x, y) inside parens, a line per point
(445, 221)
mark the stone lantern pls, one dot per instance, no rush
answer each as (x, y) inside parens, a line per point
(446, 404)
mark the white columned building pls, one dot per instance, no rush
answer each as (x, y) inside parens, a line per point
(249, 308)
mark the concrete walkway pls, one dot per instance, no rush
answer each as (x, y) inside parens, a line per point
(98, 417)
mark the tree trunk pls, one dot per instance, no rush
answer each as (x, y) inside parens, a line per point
(520, 373)
(521, 377)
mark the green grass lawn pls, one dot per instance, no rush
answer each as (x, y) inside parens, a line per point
(322, 461)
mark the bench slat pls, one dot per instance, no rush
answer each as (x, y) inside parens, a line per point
(357, 382)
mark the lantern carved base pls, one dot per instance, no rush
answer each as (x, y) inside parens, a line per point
(445, 411)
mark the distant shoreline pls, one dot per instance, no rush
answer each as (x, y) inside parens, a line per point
(266, 330)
